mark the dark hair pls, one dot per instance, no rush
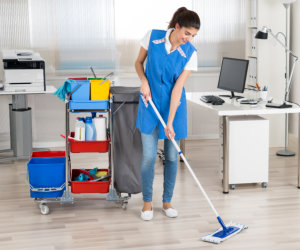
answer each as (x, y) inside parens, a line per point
(185, 18)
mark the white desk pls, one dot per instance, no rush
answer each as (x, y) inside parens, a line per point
(233, 108)
(20, 123)
(49, 90)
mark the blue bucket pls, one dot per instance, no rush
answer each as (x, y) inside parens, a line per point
(82, 93)
(47, 177)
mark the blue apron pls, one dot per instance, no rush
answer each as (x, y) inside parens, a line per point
(162, 71)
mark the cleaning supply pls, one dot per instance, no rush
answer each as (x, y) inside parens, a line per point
(93, 171)
(80, 129)
(100, 126)
(80, 90)
(100, 89)
(226, 231)
(103, 178)
(84, 176)
(80, 177)
(90, 130)
(64, 90)
(101, 173)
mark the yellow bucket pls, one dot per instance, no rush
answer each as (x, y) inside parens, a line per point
(100, 89)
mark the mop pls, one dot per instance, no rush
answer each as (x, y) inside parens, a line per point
(225, 231)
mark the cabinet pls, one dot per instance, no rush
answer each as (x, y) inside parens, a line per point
(248, 150)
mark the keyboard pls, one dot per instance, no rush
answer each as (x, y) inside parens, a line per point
(248, 101)
(215, 100)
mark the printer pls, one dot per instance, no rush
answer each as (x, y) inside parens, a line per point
(24, 70)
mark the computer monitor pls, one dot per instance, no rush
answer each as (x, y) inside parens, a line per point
(233, 76)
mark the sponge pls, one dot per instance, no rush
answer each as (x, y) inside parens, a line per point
(101, 173)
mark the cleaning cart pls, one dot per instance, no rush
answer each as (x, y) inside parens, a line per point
(50, 176)
(123, 146)
(83, 104)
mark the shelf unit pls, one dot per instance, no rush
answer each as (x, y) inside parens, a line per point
(86, 147)
(251, 51)
(267, 57)
(103, 147)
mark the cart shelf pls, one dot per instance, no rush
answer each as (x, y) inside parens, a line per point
(80, 187)
(80, 106)
(88, 146)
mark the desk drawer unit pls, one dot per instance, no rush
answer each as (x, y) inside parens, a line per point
(248, 149)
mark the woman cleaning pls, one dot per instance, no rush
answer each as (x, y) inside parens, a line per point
(170, 59)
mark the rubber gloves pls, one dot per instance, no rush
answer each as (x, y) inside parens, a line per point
(64, 89)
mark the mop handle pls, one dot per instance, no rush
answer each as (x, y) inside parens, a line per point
(183, 158)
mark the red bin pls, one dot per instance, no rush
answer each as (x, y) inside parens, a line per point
(84, 187)
(88, 146)
(39, 154)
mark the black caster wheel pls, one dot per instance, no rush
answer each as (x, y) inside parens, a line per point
(264, 184)
(124, 205)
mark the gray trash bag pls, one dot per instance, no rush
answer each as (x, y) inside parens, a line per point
(126, 143)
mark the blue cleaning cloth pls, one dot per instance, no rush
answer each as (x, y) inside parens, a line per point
(92, 171)
(84, 177)
(64, 90)
(79, 177)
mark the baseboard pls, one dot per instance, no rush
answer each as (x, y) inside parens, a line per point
(203, 137)
(51, 144)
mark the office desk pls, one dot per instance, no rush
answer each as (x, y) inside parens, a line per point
(233, 108)
(21, 123)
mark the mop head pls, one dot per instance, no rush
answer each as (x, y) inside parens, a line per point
(220, 235)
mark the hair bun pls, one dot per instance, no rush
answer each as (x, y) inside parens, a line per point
(185, 18)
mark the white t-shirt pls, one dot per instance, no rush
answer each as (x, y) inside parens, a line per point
(192, 64)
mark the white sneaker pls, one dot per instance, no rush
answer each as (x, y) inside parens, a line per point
(170, 212)
(147, 215)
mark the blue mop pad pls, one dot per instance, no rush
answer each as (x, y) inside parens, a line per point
(222, 234)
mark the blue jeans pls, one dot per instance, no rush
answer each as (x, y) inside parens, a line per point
(149, 142)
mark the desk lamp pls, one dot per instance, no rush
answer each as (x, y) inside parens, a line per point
(263, 34)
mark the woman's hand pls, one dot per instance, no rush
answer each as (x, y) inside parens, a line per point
(145, 90)
(169, 131)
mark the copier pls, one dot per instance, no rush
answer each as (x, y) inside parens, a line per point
(24, 70)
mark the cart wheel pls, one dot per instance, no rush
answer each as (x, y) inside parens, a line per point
(232, 186)
(264, 184)
(44, 209)
(124, 205)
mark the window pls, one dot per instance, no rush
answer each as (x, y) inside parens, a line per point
(221, 33)
(74, 34)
